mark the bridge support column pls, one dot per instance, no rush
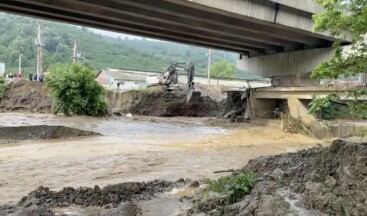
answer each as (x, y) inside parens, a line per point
(289, 68)
(298, 109)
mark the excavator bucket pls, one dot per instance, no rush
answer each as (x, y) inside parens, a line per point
(193, 96)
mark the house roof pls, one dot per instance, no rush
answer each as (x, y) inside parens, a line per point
(127, 75)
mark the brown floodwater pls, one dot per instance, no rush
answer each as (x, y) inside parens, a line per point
(133, 149)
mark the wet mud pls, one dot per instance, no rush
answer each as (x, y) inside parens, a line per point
(318, 181)
(40, 132)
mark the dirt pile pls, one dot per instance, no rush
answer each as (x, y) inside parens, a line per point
(318, 181)
(26, 96)
(40, 132)
(115, 197)
(156, 102)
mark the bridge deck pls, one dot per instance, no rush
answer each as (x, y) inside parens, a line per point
(306, 92)
(265, 29)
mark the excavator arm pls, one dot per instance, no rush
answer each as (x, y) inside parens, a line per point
(171, 77)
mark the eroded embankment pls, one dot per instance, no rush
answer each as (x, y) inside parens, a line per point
(26, 96)
(317, 181)
(156, 102)
(33, 97)
(40, 132)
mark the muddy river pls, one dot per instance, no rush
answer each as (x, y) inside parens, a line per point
(134, 149)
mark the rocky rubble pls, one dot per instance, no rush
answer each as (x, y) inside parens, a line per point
(115, 198)
(319, 181)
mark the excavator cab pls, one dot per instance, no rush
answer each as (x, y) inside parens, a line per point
(170, 79)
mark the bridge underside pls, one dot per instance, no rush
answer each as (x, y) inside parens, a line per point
(180, 21)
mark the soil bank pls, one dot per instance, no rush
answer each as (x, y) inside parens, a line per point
(25, 96)
(33, 97)
(156, 102)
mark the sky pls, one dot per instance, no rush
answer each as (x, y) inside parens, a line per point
(114, 34)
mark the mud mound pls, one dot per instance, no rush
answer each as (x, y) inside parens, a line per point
(156, 102)
(112, 196)
(26, 96)
(40, 132)
(318, 181)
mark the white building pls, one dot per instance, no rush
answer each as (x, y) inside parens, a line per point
(2, 69)
(127, 79)
(133, 79)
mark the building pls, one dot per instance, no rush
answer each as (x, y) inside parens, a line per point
(127, 79)
(2, 69)
(135, 79)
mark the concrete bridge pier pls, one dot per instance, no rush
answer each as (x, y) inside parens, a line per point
(288, 68)
(292, 88)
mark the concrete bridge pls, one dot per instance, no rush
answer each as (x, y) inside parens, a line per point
(273, 37)
(250, 27)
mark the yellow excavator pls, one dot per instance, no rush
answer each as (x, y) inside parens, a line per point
(170, 80)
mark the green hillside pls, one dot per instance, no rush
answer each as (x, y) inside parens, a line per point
(18, 34)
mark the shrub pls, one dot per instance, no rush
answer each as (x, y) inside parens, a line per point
(232, 187)
(325, 106)
(2, 87)
(74, 91)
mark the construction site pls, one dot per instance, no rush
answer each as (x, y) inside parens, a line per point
(177, 142)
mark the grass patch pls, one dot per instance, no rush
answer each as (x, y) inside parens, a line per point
(234, 187)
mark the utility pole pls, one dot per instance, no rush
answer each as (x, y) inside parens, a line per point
(20, 63)
(209, 59)
(74, 50)
(39, 52)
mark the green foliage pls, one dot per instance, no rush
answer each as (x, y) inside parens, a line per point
(364, 134)
(340, 19)
(17, 35)
(2, 87)
(222, 68)
(74, 91)
(325, 106)
(332, 107)
(233, 187)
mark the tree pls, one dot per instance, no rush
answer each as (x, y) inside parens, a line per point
(74, 91)
(340, 18)
(222, 68)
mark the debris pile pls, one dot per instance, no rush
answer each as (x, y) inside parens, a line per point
(319, 181)
(41, 200)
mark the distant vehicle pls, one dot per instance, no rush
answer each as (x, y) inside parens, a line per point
(170, 79)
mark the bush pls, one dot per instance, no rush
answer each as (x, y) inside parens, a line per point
(233, 187)
(325, 105)
(2, 87)
(74, 91)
